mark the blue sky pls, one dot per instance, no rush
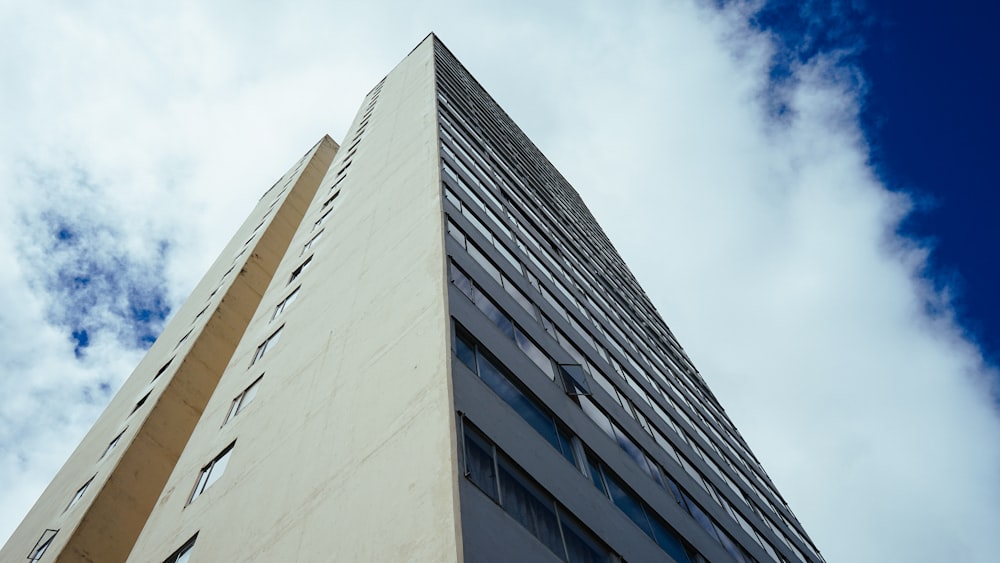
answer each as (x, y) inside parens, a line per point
(801, 188)
(928, 113)
(932, 119)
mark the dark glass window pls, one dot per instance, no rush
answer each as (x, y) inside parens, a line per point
(527, 503)
(461, 281)
(163, 369)
(526, 407)
(298, 271)
(498, 317)
(668, 540)
(465, 349)
(574, 379)
(596, 475)
(140, 402)
(479, 462)
(580, 546)
(529, 507)
(628, 503)
(183, 554)
(534, 353)
(566, 445)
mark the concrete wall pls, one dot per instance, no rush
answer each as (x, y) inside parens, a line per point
(348, 450)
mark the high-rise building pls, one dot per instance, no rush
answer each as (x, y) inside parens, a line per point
(420, 346)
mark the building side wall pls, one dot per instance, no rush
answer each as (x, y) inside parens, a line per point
(177, 377)
(347, 450)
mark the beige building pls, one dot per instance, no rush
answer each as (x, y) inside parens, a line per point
(418, 347)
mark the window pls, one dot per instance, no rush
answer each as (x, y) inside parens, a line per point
(323, 218)
(271, 341)
(140, 402)
(286, 302)
(527, 503)
(113, 443)
(42, 544)
(202, 312)
(163, 369)
(79, 494)
(311, 243)
(183, 554)
(185, 337)
(329, 201)
(298, 271)
(525, 405)
(211, 473)
(574, 379)
(241, 401)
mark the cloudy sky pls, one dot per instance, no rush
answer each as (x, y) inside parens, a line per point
(729, 149)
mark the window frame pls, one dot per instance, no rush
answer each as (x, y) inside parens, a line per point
(241, 400)
(205, 476)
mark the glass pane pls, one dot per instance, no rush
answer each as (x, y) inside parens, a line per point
(508, 256)
(518, 296)
(479, 464)
(525, 406)
(217, 469)
(605, 384)
(498, 317)
(730, 545)
(465, 350)
(185, 556)
(540, 358)
(250, 393)
(566, 446)
(630, 448)
(461, 281)
(456, 233)
(669, 541)
(232, 409)
(479, 226)
(574, 380)
(478, 256)
(595, 475)
(580, 546)
(531, 509)
(699, 515)
(200, 485)
(595, 414)
(452, 197)
(628, 504)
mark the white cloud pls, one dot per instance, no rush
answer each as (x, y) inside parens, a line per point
(768, 244)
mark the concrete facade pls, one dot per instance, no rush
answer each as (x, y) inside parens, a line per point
(422, 348)
(174, 382)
